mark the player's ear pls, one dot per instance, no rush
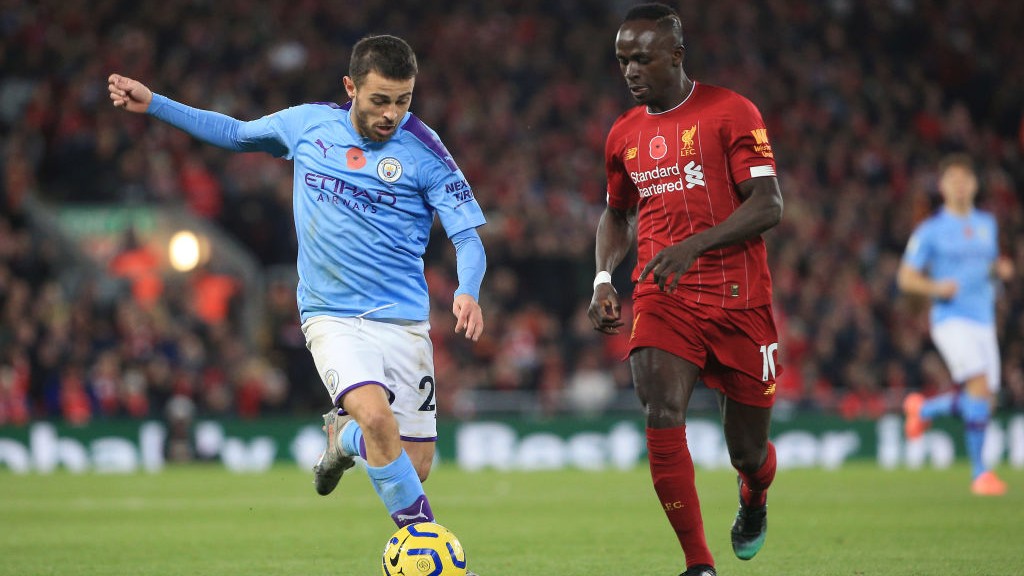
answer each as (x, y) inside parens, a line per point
(350, 86)
(678, 55)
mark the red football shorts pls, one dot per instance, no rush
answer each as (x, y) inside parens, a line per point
(736, 350)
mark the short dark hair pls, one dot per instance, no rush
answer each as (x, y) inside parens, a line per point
(665, 17)
(959, 159)
(389, 56)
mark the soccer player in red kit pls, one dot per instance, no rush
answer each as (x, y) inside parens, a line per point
(691, 177)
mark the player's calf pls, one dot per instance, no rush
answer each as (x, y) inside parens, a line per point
(749, 529)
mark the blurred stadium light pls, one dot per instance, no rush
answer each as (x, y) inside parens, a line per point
(94, 236)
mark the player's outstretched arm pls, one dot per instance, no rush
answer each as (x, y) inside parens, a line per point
(129, 94)
(211, 127)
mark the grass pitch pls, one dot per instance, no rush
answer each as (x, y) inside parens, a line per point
(203, 520)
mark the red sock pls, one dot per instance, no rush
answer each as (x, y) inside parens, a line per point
(672, 473)
(755, 486)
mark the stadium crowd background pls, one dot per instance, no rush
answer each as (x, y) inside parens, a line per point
(861, 99)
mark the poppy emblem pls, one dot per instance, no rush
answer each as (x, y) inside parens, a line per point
(355, 158)
(658, 147)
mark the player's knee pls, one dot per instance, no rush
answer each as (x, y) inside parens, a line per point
(378, 422)
(665, 415)
(747, 460)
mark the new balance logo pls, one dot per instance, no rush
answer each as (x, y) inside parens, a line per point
(694, 175)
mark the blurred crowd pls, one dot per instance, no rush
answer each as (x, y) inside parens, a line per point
(861, 99)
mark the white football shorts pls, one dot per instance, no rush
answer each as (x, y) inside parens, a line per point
(354, 352)
(969, 348)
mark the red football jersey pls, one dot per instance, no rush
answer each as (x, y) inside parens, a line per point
(680, 169)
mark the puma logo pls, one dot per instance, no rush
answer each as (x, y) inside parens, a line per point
(322, 147)
(407, 518)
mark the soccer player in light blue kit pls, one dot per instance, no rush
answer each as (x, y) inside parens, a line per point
(953, 258)
(369, 179)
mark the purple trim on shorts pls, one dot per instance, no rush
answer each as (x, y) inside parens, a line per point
(417, 128)
(362, 447)
(337, 397)
(418, 439)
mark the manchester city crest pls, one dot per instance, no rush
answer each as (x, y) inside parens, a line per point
(332, 381)
(389, 169)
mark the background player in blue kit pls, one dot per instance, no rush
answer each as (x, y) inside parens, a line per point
(369, 178)
(953, 258)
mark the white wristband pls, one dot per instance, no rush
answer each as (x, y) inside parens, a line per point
(603, 277)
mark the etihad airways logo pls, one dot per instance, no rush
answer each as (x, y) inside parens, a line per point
(331, 190)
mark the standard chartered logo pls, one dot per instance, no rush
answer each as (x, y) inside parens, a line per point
(694, 175)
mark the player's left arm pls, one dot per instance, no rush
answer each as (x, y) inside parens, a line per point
(1003, 268)
(760, 210)
(470, 263)
(450, 195)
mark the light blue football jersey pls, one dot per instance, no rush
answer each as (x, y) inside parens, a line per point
(963, 249)
(363, 209)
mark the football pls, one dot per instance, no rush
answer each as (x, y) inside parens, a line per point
(423, 549)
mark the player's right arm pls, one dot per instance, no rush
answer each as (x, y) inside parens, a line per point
(911, 277)
(129, 94)
(913, 281)
(616, 234)
(223, 131)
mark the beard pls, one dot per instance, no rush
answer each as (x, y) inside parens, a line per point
(366, 129)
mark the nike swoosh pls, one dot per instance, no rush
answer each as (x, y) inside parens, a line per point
(398, 552)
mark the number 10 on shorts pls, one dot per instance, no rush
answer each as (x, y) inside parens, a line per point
(768, 361)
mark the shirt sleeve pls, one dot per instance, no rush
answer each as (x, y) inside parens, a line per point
(749, 149)
(622, 194)
(918, 252)
(268, 134)
(470, 262)
(451, 197)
